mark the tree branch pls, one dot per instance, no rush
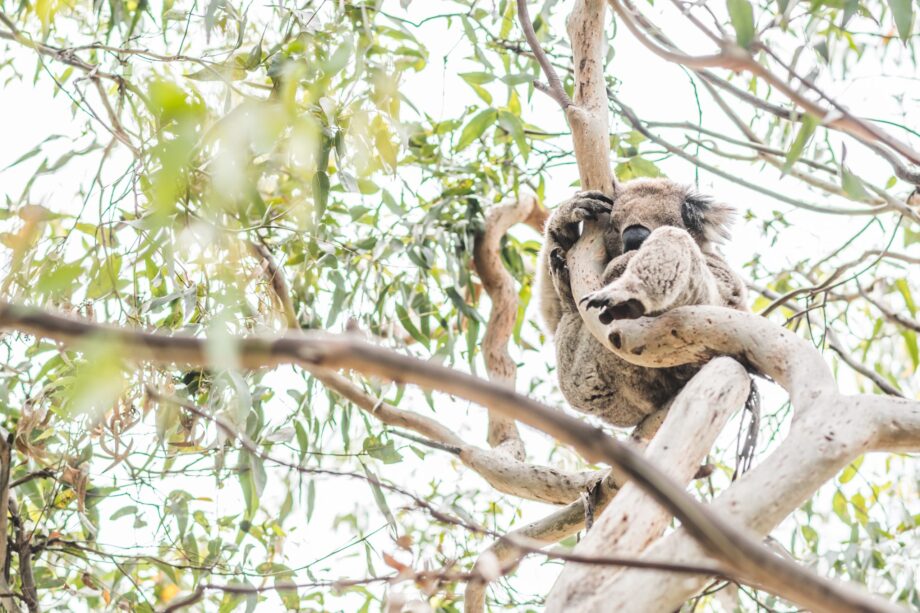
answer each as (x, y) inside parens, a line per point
(24, 550)
(503, 471)
(634, 519)
(6, 459)
(740, 552)
(500, 286)
(554, 527)
(735, 58)
(554, 88)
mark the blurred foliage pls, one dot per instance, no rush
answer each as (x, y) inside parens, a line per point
(204, 130)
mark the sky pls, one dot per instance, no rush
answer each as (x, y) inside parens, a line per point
(31, 112)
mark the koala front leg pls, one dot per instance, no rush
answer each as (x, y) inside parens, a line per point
(562, 230)
(668, 271)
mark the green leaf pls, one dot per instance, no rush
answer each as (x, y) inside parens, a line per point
(742, 16)
(910, 339)
(512, 124)
(904, 289)
(320, 193)
(477, 78)
(810, 534)
(839, 504)
(386, 453)
(475, 128)
(58, 279)
(254, 57)
(851, 470)
(852, 185)
(410, 327)
(311, 499)
(339, 59)
(637, 167)
(809, 123)
(903, 13)
(379, 498)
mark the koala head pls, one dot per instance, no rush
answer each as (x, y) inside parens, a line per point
(641, 205)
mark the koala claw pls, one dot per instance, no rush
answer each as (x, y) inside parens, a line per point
(595, 195)
(557, 261)
(589, 205)
(614, 306)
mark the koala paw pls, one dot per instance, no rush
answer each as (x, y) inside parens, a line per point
(563, 225)
(615, 303)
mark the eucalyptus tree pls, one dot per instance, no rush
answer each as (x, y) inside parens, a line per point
(267, 274)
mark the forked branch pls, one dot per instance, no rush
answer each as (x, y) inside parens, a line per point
(734, 547)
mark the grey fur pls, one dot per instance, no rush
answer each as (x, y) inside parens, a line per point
(677, 265)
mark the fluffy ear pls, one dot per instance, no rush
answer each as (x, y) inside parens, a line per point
(707, 218)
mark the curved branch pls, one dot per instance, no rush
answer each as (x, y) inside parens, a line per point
(741, 553)
(634, 519)
(729, 57)
(500, 286)
(551, 529)
(505, 472)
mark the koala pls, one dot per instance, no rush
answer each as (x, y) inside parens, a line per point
(660, 241)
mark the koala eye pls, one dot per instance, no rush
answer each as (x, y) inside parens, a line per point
(634, 236)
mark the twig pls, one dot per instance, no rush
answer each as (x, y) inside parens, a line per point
(24, 549)
(553, 88)
(870, 374)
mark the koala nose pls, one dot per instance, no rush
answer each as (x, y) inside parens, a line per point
(634, 236)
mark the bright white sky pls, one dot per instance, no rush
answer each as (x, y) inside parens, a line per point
(657, 90)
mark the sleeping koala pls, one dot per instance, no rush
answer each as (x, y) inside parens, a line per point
(660, 254)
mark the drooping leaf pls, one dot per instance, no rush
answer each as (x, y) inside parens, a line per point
(806, 129)
(742, 17)
(903, 13)
(476, 127)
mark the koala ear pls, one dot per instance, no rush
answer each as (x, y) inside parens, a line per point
(707, 218)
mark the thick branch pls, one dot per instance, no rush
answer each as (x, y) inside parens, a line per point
(551, 529)
(829, 430)
(739, 551)
(500, 286)
(821, 443)
(589, 116)
(502, 471)
(634, 519)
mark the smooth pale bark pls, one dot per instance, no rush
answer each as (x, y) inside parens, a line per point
(820, 444)
(697, 415)
(634, 519)
(828, 431)
(589, 116)
(498, 283)
(743, 556)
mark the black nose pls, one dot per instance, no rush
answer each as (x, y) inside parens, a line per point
(634, 236)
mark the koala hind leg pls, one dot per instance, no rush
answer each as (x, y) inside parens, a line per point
(668, 271)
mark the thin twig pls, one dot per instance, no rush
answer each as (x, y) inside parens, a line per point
(554, 87)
